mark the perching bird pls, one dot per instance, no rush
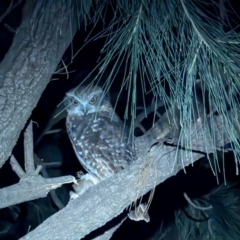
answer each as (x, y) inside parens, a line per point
(101, 143)
(98, 137)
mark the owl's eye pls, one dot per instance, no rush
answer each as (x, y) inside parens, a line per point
(75, 102)
(93, 100)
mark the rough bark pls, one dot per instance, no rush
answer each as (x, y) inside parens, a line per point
(31, 185)
(109, 198)
(37, 48)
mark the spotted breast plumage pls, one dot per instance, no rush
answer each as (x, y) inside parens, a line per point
(97, 134)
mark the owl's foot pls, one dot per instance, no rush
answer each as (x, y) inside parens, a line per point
(139, 213)
(84, 182)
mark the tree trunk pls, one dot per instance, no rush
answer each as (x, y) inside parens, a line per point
(38, 45)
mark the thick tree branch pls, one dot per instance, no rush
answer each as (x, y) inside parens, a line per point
(109, 198)
(207, 136)
(37, 48)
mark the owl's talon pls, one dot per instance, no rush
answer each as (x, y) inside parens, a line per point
(73, 195)
(79, 175)
(86, 181)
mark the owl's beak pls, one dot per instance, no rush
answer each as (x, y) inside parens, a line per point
(85, 111)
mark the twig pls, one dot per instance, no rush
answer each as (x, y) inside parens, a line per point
(16, 167)
(10, 29)
(31, 185)
(65, 67)
(28, 150)
(147, 111)
(9, 9)
(61, 113)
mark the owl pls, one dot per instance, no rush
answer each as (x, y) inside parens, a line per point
(101, 142)
(99, 139)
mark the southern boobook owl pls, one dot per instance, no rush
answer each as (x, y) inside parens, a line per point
(99, 139)
(96, 133)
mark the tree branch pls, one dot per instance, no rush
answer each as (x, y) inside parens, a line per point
(109, 198)
(31, 185)
(207, 136)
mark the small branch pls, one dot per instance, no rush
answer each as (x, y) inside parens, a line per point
(38, 169)
(9, 9)
(147, 111)
(16, 167)
(10, 29)
(58, 114)
(28, 150)
(153, 107)
(30, 188)
(31, 185)
(65, 67)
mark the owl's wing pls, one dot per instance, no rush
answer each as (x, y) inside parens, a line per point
(112, 147)
(101, 145)
(117, 138)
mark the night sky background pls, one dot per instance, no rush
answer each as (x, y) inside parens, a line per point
(168, 198)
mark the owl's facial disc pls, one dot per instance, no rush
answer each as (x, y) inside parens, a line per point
(84, 106)
(85, 102)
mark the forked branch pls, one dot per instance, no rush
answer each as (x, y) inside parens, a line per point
(106, 200)
(31, 185)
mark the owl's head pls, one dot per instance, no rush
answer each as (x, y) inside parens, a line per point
(86, 100)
